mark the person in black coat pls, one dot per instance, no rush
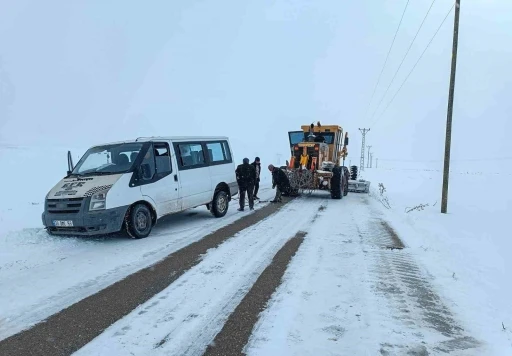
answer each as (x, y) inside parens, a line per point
(246, 177)
(280, 181)
(257, 166)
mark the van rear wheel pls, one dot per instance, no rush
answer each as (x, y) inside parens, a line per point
(220, 204)
(139, 222)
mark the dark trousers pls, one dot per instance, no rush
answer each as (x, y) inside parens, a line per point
(256, 187)
(278, 194)
(249, 189)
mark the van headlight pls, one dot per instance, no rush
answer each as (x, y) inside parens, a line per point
(98, 201)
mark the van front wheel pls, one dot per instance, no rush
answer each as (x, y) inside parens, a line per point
(220, 204)
(139, 222)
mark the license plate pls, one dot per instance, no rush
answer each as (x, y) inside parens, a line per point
(63, 223)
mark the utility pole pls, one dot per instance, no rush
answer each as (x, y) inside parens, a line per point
(448, 140)
(363, 132)
(371, 160)
(376, 163)
(368, 164)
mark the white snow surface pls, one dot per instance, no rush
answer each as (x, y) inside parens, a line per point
(42, 274)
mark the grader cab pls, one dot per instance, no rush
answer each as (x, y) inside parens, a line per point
(317, 160)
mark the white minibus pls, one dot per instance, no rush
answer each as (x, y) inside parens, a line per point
(130, 185)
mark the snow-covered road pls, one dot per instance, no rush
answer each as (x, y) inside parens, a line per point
(351, 290)
(184, 318)
(41, 275)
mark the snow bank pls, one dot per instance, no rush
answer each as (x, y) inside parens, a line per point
(467, 250)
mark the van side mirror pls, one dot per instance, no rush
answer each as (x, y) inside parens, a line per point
(346, 141)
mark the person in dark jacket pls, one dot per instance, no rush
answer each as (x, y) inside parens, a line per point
(280, 181)
(246, 177)
(257, 166)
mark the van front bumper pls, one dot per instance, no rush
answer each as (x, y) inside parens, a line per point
(85, 223)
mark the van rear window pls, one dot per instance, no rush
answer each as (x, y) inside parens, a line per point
(216, 152)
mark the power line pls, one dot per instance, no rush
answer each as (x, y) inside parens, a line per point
(387, 57)
(414, 67)
(403, 59)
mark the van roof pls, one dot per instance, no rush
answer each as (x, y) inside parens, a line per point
(168, 138)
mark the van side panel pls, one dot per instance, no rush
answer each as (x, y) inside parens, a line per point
(193, 171)
(163, 187)
(222, 167)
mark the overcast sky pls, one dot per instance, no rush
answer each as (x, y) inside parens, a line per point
(79, 73)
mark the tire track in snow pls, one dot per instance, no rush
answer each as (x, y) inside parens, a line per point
(184, 318)
(236, 331)
(398, 279)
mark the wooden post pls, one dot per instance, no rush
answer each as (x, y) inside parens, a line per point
(446, 171)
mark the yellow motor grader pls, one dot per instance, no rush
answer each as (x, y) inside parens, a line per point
(317, 160)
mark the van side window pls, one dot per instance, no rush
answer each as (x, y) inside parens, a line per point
(215, 152)
(191, 154)
(218, 152)
(162, 158)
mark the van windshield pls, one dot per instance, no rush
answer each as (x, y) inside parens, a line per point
(108, 159)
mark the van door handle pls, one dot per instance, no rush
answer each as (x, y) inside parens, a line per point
(175, 177)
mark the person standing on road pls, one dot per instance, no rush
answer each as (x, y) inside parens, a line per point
(280, 181)
(257, 166)
(246, 177)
